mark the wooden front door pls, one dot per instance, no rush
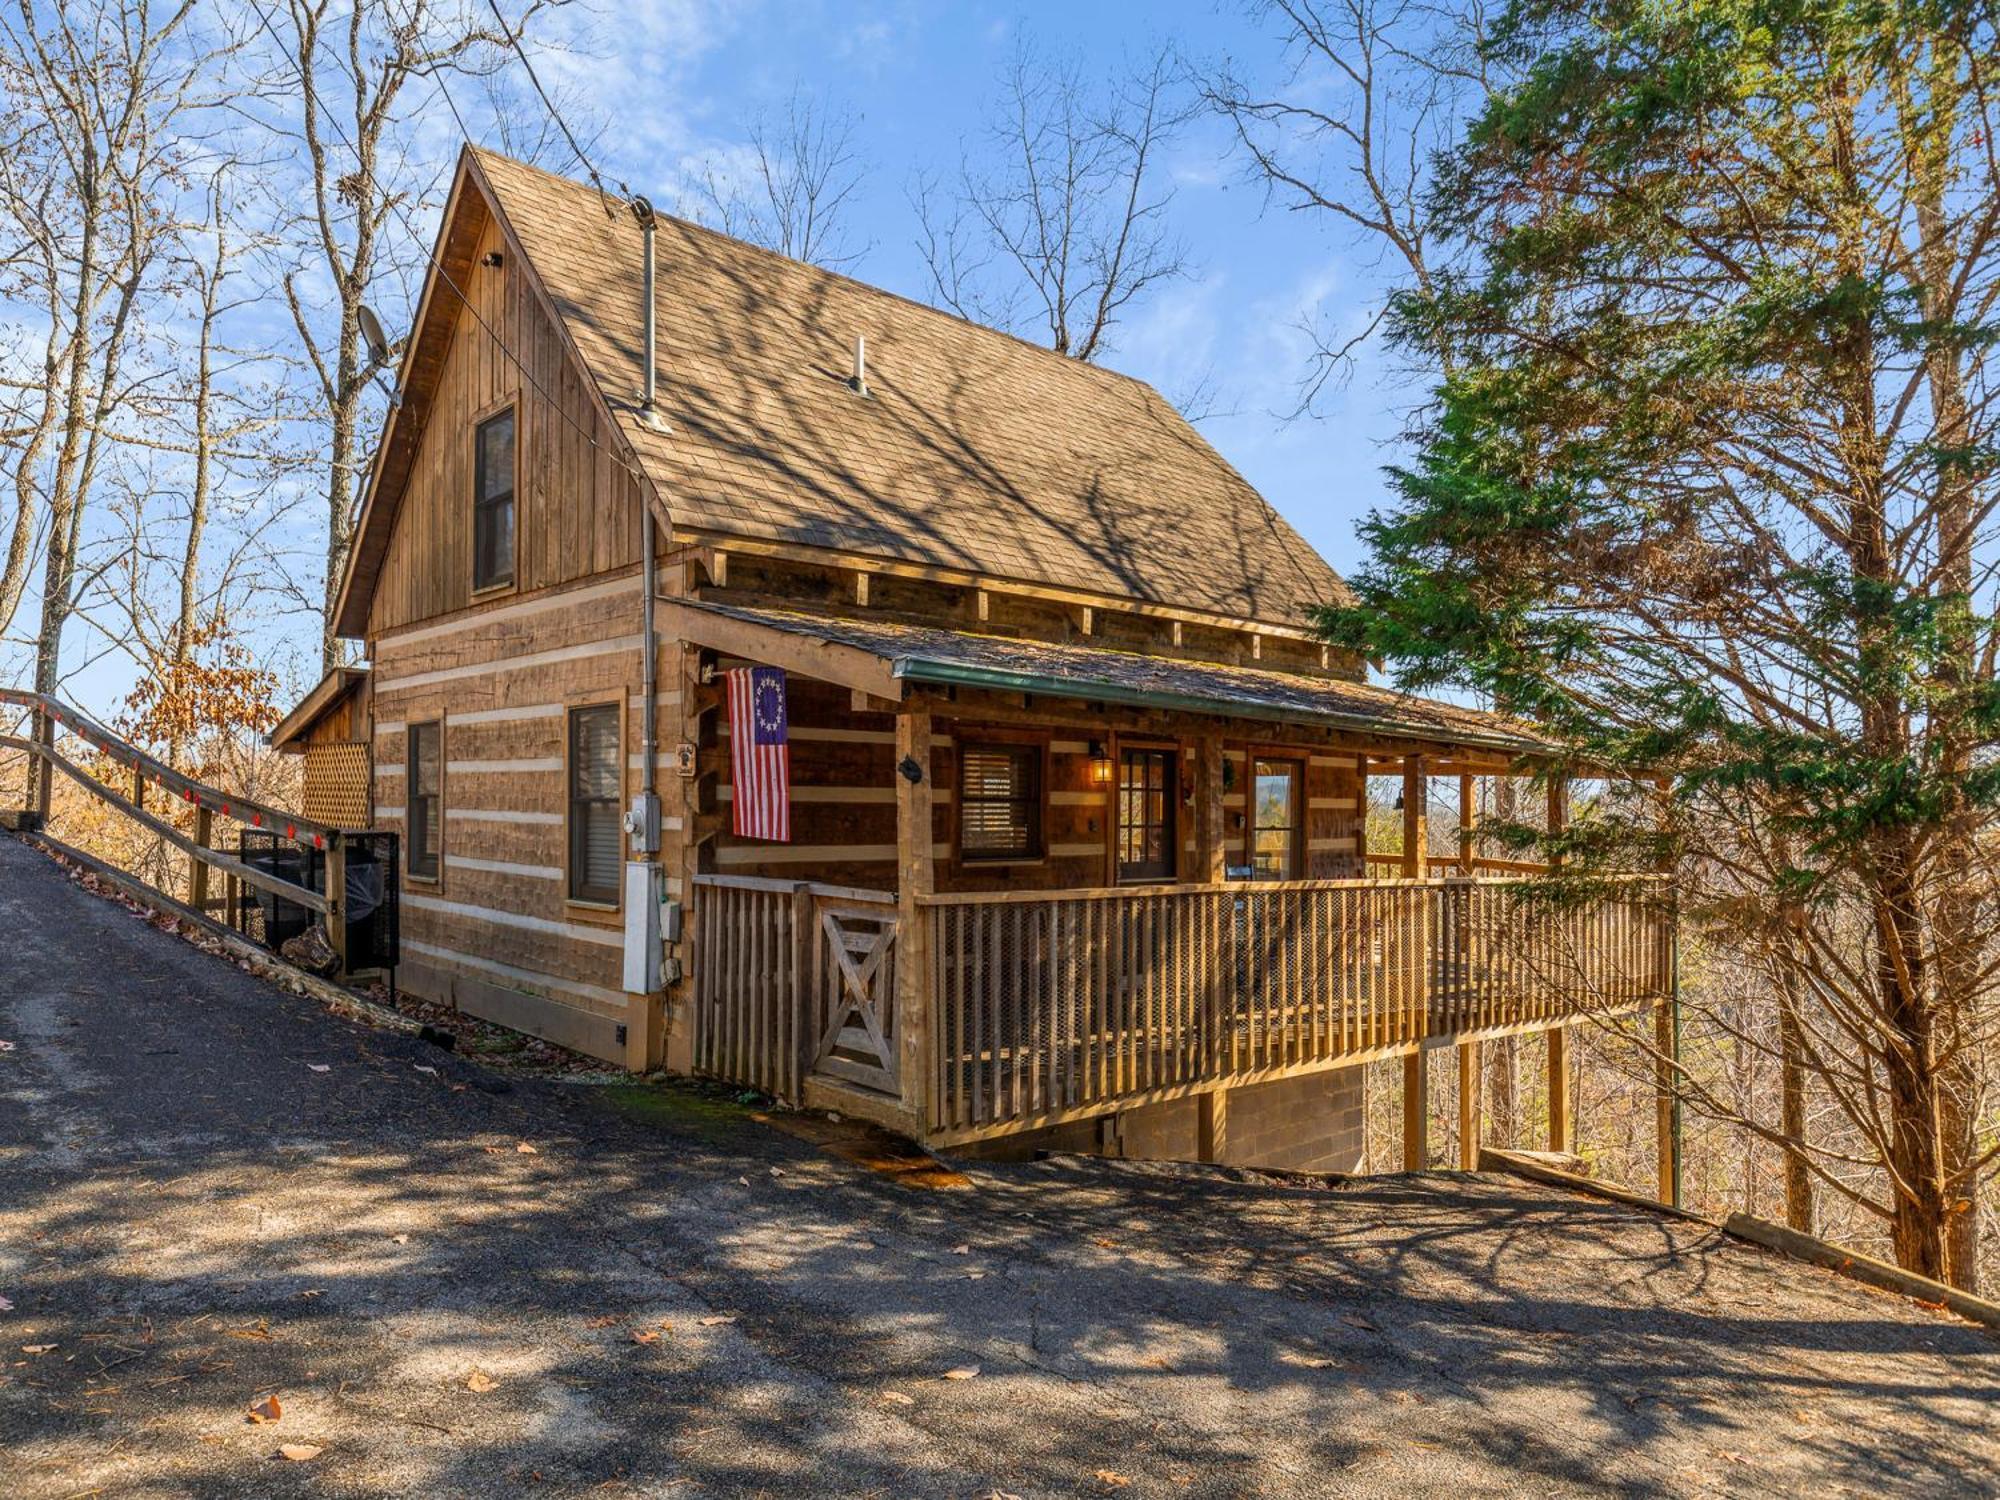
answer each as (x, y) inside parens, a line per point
(1147, 799)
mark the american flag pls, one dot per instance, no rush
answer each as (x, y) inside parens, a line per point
(760, 756)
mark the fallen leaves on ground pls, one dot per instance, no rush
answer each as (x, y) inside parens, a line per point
(299, 1453)
(718, 1318)
(1112, 1479)
(645, 1335)
(899, 1398)
(525, 1149)
(267, 1410)
(36, 1349)
(479, 1382)
(963, 1372)
(5, 1305)
(319, 1067)
(261, 1329)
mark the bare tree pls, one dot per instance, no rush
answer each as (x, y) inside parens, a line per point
(98, 100)
(345, 72)
(1067, 226)
(790, 191)
(1368, 91)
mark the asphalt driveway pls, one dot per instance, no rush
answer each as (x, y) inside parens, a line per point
(455, 1283)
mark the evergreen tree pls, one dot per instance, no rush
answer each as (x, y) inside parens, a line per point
(1709, 489)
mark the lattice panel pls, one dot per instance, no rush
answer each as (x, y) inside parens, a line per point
(336, 789)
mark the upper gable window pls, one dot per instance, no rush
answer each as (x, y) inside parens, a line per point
(493, 502)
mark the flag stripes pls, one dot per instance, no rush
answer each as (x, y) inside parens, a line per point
(759, 754)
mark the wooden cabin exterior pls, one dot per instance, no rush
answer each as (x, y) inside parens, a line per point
(1078, 846)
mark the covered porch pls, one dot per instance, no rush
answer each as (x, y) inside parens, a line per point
(964, 1001)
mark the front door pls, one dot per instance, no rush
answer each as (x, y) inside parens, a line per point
(1147, 797)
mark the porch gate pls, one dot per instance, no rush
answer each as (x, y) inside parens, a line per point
(794, 980)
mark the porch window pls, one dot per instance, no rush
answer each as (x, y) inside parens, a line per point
(1146, 799)
(1276, 807)
(596, 831)
(423, 795)
(493, 502)
(1000, 802)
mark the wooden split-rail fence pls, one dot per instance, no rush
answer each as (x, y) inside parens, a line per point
(1041, 1006)
(145, 779)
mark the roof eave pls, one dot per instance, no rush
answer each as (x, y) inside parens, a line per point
(959, 674)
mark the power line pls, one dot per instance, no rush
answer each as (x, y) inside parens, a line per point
(395, 206)
(556, 114)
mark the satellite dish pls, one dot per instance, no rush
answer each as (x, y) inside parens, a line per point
(372, 335)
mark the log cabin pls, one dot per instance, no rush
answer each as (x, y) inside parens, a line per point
(1077, 850)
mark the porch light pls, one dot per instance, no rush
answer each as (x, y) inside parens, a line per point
(1100, 764)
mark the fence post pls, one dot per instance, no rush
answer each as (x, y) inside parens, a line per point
(204, 827)
(336, 898)
(805, 992)
(42, 767)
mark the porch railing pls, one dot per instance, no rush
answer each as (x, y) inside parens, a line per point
(1055, 1004)
(793, 978)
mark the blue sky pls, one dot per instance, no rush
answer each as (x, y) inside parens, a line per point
(681, 79)
(661, 86)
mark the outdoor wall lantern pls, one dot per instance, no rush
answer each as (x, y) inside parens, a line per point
(1100, 764)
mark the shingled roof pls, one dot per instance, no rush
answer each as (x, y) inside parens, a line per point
(940, 657)
(972, 451)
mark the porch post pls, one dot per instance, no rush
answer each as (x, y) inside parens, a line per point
(1416, 820)
(1212, 830)
(1416, 1111)
(1468, 789)
(915, 876)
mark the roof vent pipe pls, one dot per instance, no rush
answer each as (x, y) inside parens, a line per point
(860, 380)
(648, 391)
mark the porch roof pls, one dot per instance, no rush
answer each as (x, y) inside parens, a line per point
(885, 658)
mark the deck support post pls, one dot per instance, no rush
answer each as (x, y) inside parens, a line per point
(1667, 1045)
(1559, 1096)
(1212, 1127)
(204, 829)
(915, 877)
(1416, 1111)
(1468, 1106)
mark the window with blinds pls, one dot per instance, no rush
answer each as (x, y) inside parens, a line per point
(1000, 802)
(425, 810)
(493, 502)
(596, 832)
